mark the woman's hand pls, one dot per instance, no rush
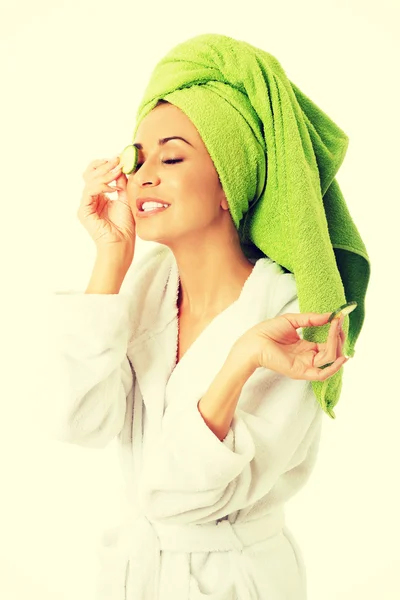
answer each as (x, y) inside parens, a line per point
(109, 222)
(275, 344)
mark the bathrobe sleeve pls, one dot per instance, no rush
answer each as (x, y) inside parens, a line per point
(191, 477)
(90, 333)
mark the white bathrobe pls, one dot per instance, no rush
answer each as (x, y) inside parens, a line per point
(205, 519)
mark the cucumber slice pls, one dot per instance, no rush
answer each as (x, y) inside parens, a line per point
(343, 310)
(129, 159)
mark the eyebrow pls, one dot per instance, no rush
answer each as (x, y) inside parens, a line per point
(163, 141)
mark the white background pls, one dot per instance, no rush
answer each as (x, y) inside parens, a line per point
(72, 76)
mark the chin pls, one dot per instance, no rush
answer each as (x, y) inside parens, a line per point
(151, 238)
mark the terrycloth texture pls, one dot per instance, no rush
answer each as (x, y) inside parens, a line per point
(192, 501)
(276, 154)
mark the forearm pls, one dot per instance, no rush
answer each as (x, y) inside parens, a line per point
(218, 404)
(109, 271)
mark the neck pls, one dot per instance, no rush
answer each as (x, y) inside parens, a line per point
(210, 279)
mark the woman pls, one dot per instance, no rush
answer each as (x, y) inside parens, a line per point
(198, 370)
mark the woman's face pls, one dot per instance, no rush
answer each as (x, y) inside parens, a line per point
(190, 186)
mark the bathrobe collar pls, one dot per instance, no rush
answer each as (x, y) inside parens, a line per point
(154, 348)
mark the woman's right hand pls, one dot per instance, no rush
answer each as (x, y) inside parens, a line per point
(108, 221)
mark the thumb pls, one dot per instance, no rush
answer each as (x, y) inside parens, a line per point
(121, 183)
(121, 180)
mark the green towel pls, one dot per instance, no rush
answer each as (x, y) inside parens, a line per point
(276, 154)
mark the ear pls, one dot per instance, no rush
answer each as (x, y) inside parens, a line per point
(224, 203)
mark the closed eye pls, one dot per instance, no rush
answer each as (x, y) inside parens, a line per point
(169, 161)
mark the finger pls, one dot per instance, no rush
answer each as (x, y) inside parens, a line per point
(111, 168)
(111, 161)
(99, 162)
(102, 165)
(106, 173)
(316, 374)
(340, 342)
(310, 319)
(329, 353)
(112, 174)
(334, 331)
(94, 164)
(121, 179)
(121, 187)
(95, 190)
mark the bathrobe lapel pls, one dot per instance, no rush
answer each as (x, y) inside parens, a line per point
(193, 375)
(165, 385)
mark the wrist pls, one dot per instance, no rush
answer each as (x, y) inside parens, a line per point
(218, 405)
(242, 362)
(116, 255)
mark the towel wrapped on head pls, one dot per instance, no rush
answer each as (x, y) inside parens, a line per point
(276, 154)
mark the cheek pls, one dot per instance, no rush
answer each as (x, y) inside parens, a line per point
(198, 185)
(183, 181)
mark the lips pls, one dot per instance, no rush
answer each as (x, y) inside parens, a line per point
(143, 214)
(141, 201)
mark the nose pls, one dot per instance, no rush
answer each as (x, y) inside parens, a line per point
(146, 175)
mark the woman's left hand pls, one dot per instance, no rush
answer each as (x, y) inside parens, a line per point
(276, 345)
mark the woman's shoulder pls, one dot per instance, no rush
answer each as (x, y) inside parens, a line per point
(144, 284)
(281, 286)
